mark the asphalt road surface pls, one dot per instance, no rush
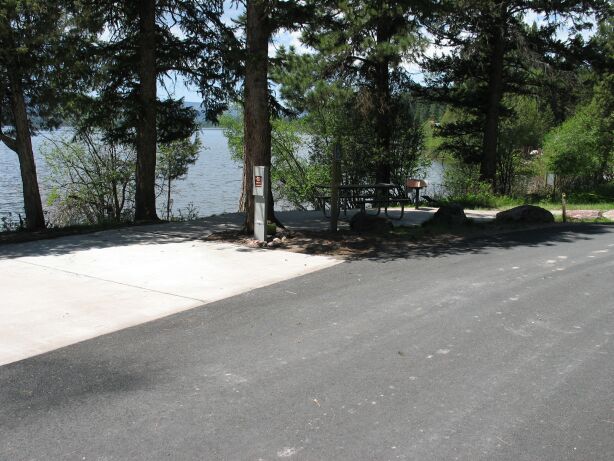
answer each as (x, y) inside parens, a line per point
(490, 349)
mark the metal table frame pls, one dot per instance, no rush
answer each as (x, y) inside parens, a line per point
(357, 196)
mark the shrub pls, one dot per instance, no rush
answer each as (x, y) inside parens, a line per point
(90, 182)
(173, 161)
(581, 150)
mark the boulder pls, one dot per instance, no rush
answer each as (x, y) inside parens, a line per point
(527, 214)
(608, 215)
(363, 222)
(583, 214)
(449, 215)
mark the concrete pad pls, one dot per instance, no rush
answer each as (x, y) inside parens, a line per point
(65, 290)
(61, 297)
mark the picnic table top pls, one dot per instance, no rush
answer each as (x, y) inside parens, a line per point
(360, 186)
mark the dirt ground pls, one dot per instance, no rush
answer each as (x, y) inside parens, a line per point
(348, 244)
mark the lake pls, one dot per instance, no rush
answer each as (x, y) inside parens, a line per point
(213, 183)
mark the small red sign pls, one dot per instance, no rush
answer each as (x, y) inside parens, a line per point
(258, 181)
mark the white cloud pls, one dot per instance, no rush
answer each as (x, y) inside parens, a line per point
(287, 39)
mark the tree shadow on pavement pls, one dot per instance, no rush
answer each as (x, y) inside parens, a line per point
(154, 234)
(391, 248)
(533, 237)
(151, 234)
(62, 379)
(312, 239)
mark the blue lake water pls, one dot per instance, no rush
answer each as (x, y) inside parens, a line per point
(213, 184)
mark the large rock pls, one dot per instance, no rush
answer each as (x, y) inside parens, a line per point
(583, 214)
(527, 214)
(363, 222)
(449, 215)
(608, 215)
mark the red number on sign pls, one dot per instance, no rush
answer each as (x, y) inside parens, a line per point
(258, 181)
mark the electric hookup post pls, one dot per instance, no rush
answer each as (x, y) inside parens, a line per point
(260, 187)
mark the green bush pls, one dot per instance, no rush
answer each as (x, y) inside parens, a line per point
(603, 193)
(463, 186)
(293, 175)
(173, 162)
(90, 181)
(570, 148)
(581, 150)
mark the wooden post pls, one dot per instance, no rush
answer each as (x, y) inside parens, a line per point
(564, 206)
(168, 199)
(334, 190)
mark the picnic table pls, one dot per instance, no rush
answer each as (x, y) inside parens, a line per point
(358, 196)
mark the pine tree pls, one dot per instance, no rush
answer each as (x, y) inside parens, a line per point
(334, 113)
(140, 46)
(263, 18)
(494, 53)
(369, 44)
(36, 72)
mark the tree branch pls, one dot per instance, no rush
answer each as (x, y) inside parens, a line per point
(8, 141)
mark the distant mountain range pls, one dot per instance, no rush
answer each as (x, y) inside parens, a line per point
(201, 116)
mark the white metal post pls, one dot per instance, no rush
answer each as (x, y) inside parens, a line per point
(260, 186)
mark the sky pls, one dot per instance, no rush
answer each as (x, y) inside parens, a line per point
(189, 93)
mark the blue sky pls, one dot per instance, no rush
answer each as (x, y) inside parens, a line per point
(189, 93)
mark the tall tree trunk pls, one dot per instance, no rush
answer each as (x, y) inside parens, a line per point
(383, 108)
(257, 125)
(383, 167)
(488, 167)
(146, 136)
(35, 219)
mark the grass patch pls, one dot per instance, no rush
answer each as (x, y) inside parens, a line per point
(482, 201)
(604, 206)
(601, 220)
(580, 201)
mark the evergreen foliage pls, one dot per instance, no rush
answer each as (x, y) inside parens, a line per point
(395, 84)
(581, 149)
(142, 42)
(369, 46)
(494, 53)
(39, 68)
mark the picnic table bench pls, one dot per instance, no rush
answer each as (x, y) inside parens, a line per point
(358, 196)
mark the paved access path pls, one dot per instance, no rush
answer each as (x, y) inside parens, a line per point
(57, 292)
(488, 349)
(61, 291)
